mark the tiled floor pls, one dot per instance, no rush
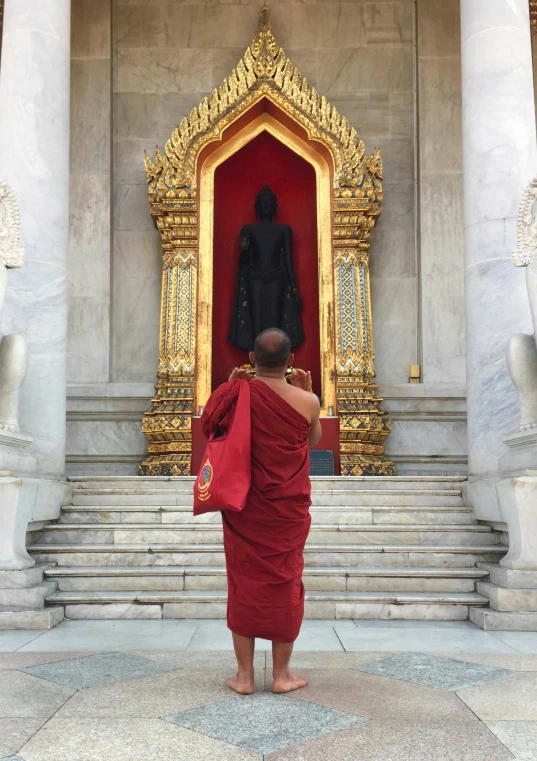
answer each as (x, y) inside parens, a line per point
(378, 691)
(213, 635)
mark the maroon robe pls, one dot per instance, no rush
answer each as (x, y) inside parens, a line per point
(264, 543)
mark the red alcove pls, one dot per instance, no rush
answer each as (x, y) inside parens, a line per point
(264, 161)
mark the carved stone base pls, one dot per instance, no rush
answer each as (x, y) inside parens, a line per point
(13, 458)
(364, 426)
(161, 464)
(358, 465)
(167, 425)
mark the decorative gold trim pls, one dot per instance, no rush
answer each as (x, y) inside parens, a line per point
(533, 16)
(265, 72)
(264, 69)
(265, 122)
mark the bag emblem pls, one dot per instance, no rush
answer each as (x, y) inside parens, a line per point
(204, 481)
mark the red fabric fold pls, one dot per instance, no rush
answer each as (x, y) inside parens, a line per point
(264, 543)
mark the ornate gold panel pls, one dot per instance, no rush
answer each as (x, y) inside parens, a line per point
(265, 72)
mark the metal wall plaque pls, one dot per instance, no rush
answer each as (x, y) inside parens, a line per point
(322, 462)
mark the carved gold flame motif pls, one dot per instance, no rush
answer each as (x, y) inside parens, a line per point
(265, 72)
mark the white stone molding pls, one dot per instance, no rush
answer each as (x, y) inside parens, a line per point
(499, 157)
(518, 498)
(13, 368)
(522, 348)
(15, 515)
(34, 159)
(11, 253)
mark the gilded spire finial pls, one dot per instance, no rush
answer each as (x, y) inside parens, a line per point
(264, 19)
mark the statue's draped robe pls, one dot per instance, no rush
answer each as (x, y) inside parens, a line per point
(265, 299)
(264, 543)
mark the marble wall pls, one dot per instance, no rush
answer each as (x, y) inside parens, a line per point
(440, 192)
(168, 56)
(165, 56)
(90, 192)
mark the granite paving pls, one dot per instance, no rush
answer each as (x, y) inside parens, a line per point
(107, 691)
(379, 698)
(115, 739)
(97, 670)
(520, 737)
(430, 671)
(154, 696)
(511, 699)
(25, 696)
(402, 741)
(14, 733)
(265, 723)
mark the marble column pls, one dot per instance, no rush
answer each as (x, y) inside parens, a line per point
(34, 160)
(499, 158)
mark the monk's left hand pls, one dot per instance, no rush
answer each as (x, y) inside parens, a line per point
(241, 373)
(301, 379)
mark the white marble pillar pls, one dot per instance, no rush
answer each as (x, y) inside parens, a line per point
(500, 158)
(34, 160)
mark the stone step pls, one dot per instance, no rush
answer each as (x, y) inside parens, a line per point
(27, 598)
(189, 533)
(509, 600)
(368, 555)
(173, 578)
(352, 483)
(212, 604)
(340, 515)
(70, 598)
(46, 618)
(494, 620)
(334, 497)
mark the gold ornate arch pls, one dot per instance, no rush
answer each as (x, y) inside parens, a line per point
(175, 200)
(265, 123)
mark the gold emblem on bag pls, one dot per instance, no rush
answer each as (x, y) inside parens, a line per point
(204, 481)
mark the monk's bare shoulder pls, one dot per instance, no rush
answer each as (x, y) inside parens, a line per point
(305, 402)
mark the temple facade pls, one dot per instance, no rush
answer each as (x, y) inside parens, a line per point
(414, 126)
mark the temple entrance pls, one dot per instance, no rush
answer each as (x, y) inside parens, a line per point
(266, 125)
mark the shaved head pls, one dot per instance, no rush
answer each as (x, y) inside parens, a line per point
(272, 348)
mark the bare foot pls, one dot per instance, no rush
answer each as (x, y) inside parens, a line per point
(288, 682)
(242, 684)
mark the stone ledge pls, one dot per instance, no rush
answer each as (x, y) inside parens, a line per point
(493, 620)
(126, 390)
(29, 577)
(31, 619)
(527, 438)
(14, 440)
(509, 600)
(509, 579)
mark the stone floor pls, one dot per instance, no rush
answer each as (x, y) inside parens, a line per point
(379, 690)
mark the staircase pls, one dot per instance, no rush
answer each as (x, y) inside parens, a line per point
(390, 547)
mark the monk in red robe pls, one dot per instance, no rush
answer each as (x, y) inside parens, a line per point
(264, 543)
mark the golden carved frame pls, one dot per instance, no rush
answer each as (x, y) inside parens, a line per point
(266, 122)
(181, 204)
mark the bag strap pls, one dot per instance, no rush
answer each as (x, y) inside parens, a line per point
(243, 400)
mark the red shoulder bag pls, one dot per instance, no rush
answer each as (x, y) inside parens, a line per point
(224, 478)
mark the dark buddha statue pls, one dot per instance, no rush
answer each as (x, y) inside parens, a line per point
(267, 294)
